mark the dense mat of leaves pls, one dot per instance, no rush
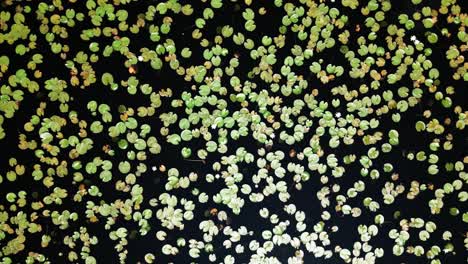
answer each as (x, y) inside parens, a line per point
(224, 131)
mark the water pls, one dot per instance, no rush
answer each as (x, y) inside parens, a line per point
(305, 199)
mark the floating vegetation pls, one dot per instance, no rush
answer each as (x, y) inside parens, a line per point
(232, 131)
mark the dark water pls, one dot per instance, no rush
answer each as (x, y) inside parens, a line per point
(305, 199)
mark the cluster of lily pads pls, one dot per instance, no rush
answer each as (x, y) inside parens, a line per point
(233, 131)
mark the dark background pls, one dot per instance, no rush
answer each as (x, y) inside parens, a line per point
(305, 200)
